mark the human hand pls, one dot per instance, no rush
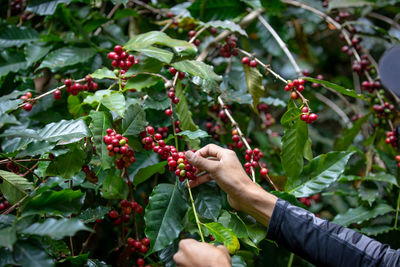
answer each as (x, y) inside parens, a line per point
(192, 253)
(225, 168)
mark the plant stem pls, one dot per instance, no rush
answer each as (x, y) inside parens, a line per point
(290, 260)
(397, 211)
(194, 211)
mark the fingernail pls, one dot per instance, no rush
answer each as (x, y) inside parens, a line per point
(189, 155)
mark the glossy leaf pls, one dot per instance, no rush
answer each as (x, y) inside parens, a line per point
(222, 9)
(254, 84)
(103, 73)
(276, 102)
(155, 52)
(101, 121)
(238, 261)
(224, 235)
(145, 173)
(56, 229)
(197, 68)
(134, 120)
(207, 201)
(64, 202)
(36, 148)
(44, 7)
(29, 253)
(348, 135)
(337, 88)
(115, 102)
(227, 25)
(273, 6)
(8, 236)
(11, 63)
(375, 230)
(64, 132)
(147, 65)
(114, 187)
(322, 172)
(232, 221)
(378, 177)
(361, 214)
(141, 81)
(194, 135)
(67, 165)
(35, 52)
(17, 36)
(14, 187)
(182, 110)
(92, 214)
(348, 3)
(164, 215)
(66, 56)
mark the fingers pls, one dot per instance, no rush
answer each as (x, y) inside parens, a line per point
(223, 249)
(211, 150)
(200, 180)
(200, 162)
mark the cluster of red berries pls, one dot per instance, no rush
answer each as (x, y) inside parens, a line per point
(12, 167)
(137, 245)
(310, 200)
(4, 205)
(363, 65)
(391, 139)
(118, 145)
(228, 49)
(297, 86)
(246, 61)
(383, 110)
(176, 160)
(121, 59)
(74, 88)
(173, 71)
(252, 157)
(269, 120)
(397, 158)
(28, 104)
(127, 209)
(341, 16)
(355, 43)
(192, 33)
(371, 86)
(307, 116)
(90, 175)
(171, 95)
(213, 130)
(236, 139)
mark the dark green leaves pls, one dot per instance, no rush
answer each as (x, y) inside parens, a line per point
(103, 73)
(44, 7)
(11, 63)
(361, 214)
(64, 132)
(338, 88)
(194, 135)
(322, 171)
(14, 187)
(29, 253)
(56, 229)
(164, 215)
(207, 201)
(146, 172)
(134, 120)
(114, 187)
(254, 84)
(67, 165)
(64, 202)
(17, 36)
(91, 215)
(348, 135)
(197, 68)
(7, 231)
(182, 110)
(66, 56)
(223, 235)
(115, 102)
(211, 10)
(227, 25)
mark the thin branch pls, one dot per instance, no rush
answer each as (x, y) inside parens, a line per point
(152, 9)
(281, 43)
(173, 20)
(10, 209)
(384, 19)
(113, 10)
(335, 108)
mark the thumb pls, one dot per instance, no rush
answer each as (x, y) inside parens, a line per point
(199, 162)
(223, 249)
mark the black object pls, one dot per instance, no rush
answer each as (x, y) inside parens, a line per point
(389, 69)
(324, 243)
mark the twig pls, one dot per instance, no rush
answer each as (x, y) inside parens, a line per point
(85, 244)
(335, 108)
(172, 21)
(22, 160)
(384, 19)
(10, 209)
(113, 10)
(281, 43)
(152, 9)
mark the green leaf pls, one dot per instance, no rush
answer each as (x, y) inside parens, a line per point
(253, 3)
(182, 110)
(361, 214)
(227, 25)
(11, 63)
(149, 39)
(64, 132)
(157, 53)
(141, 81)
(145, 173)
(114, 187)
(147, 65)
(375, 230)
(254, 84)
(124, 2)
(101, 121)
(238, 261)
(348, 135)
(66, 56)
(68, 164)
(337, 88)
(44, 7)
(286, 196)
(273, 6)
(143, 160)
(8, 236)
(377, 177)
(348, 3)
(232, 221)
(322, 172)
(115, 102)
(276, 102)
(194, 135)
(56, 229)
(134, 120)
(103, 73)
(14, 187)
(64, 202)
(35, 52)
(293, 144)
(164, 215)
(257, 232)
(212, 10)
(17, 36)
(224, 235)
(96, 263)
(91, 215)
(197, 68)
(159, 104)
(307, 153)
(207, 201)
(36, 148)
(29, 253)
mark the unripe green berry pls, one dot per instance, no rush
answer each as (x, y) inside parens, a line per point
(183, 173)
(181, 166)
(122, 142)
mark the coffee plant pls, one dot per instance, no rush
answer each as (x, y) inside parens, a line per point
(100, 100)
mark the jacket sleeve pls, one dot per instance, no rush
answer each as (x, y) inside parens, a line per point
(324, 243)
